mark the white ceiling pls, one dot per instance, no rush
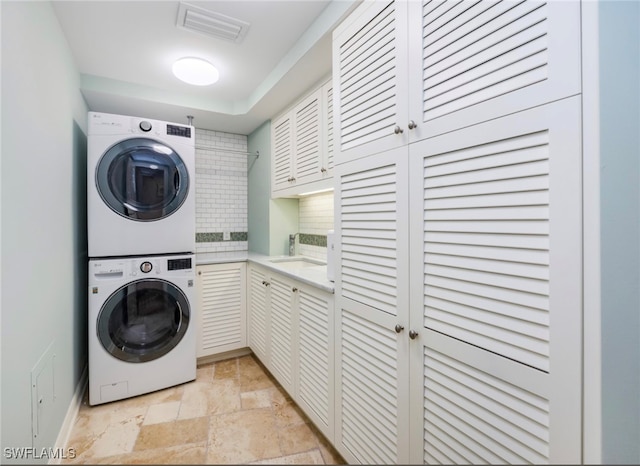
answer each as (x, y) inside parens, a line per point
(124, 51)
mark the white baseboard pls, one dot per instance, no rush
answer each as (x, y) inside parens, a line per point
(72, 413)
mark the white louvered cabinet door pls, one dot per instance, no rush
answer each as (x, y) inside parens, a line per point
(282, 147)
(372, 231)
(259, 315)
(369, 80)
(473, 61)
(315, 393)
(307, 136)
(499, 271)
(371, 300)
(328, 159)
(283, 331)
(222, 314)
(372, 416)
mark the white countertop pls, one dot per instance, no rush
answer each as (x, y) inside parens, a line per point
(221, 257)
(315, 275)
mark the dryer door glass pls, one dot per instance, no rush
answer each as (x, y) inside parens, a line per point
(143, 320)
(142, 179)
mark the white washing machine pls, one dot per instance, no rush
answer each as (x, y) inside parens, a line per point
(140, 186)
(142, 327)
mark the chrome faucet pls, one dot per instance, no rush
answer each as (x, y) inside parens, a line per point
(292, 244)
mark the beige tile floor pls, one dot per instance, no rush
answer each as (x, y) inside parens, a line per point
(233, 413)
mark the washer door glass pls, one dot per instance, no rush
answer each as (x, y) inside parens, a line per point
(143, 320)
(142, 179)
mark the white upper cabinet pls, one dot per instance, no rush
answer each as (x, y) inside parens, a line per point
(473, 61)
(406, 71)
(307, 135)
(370, 81)
(302, 145)
(282, 168)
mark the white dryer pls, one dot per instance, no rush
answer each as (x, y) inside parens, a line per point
(142, 328)
(140, 186)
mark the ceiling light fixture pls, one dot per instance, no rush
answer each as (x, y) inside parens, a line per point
(195, 71)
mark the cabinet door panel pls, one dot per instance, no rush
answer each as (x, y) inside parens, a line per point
(222, 308)
(327, 90)
(499, 205)
(369, 54)
(282, 332)
(307, 136)
(316, 368)
(479, 407)
(258, 314)
(474, 61)
(372, 402)
(372, 218)
(282, 144)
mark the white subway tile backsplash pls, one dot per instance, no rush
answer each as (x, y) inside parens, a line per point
(221, 189)
(315, 217)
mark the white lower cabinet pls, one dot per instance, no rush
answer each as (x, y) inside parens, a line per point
(315, 388)
(222, 308)
(282, 331)
(291, 332)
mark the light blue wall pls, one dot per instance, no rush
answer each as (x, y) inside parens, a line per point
(271, 221)
(258, 189)
(620, 229)
(44, 241)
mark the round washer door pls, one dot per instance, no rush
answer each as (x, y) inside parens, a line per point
(143, 320)
(142, 179)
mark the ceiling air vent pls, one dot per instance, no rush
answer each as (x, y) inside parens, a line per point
(210, 23)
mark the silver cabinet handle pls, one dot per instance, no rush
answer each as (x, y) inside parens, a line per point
(399, 328)
(413, 334)
(294, 289)
(412, 124)
(398, 130)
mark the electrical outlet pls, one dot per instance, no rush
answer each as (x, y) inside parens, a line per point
(226, 236)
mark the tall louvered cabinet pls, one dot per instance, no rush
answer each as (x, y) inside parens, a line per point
(496, 289)
(372, 307)
(458, 217)
(222, 310)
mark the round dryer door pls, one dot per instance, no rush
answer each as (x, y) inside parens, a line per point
(143, 320)
(142, 179)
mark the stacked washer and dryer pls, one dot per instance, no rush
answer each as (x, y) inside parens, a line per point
(141, 231)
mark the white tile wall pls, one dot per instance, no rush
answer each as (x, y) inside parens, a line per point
(221, 188)
(315, 218)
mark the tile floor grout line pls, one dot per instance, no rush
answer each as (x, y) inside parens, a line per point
(254, 375)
